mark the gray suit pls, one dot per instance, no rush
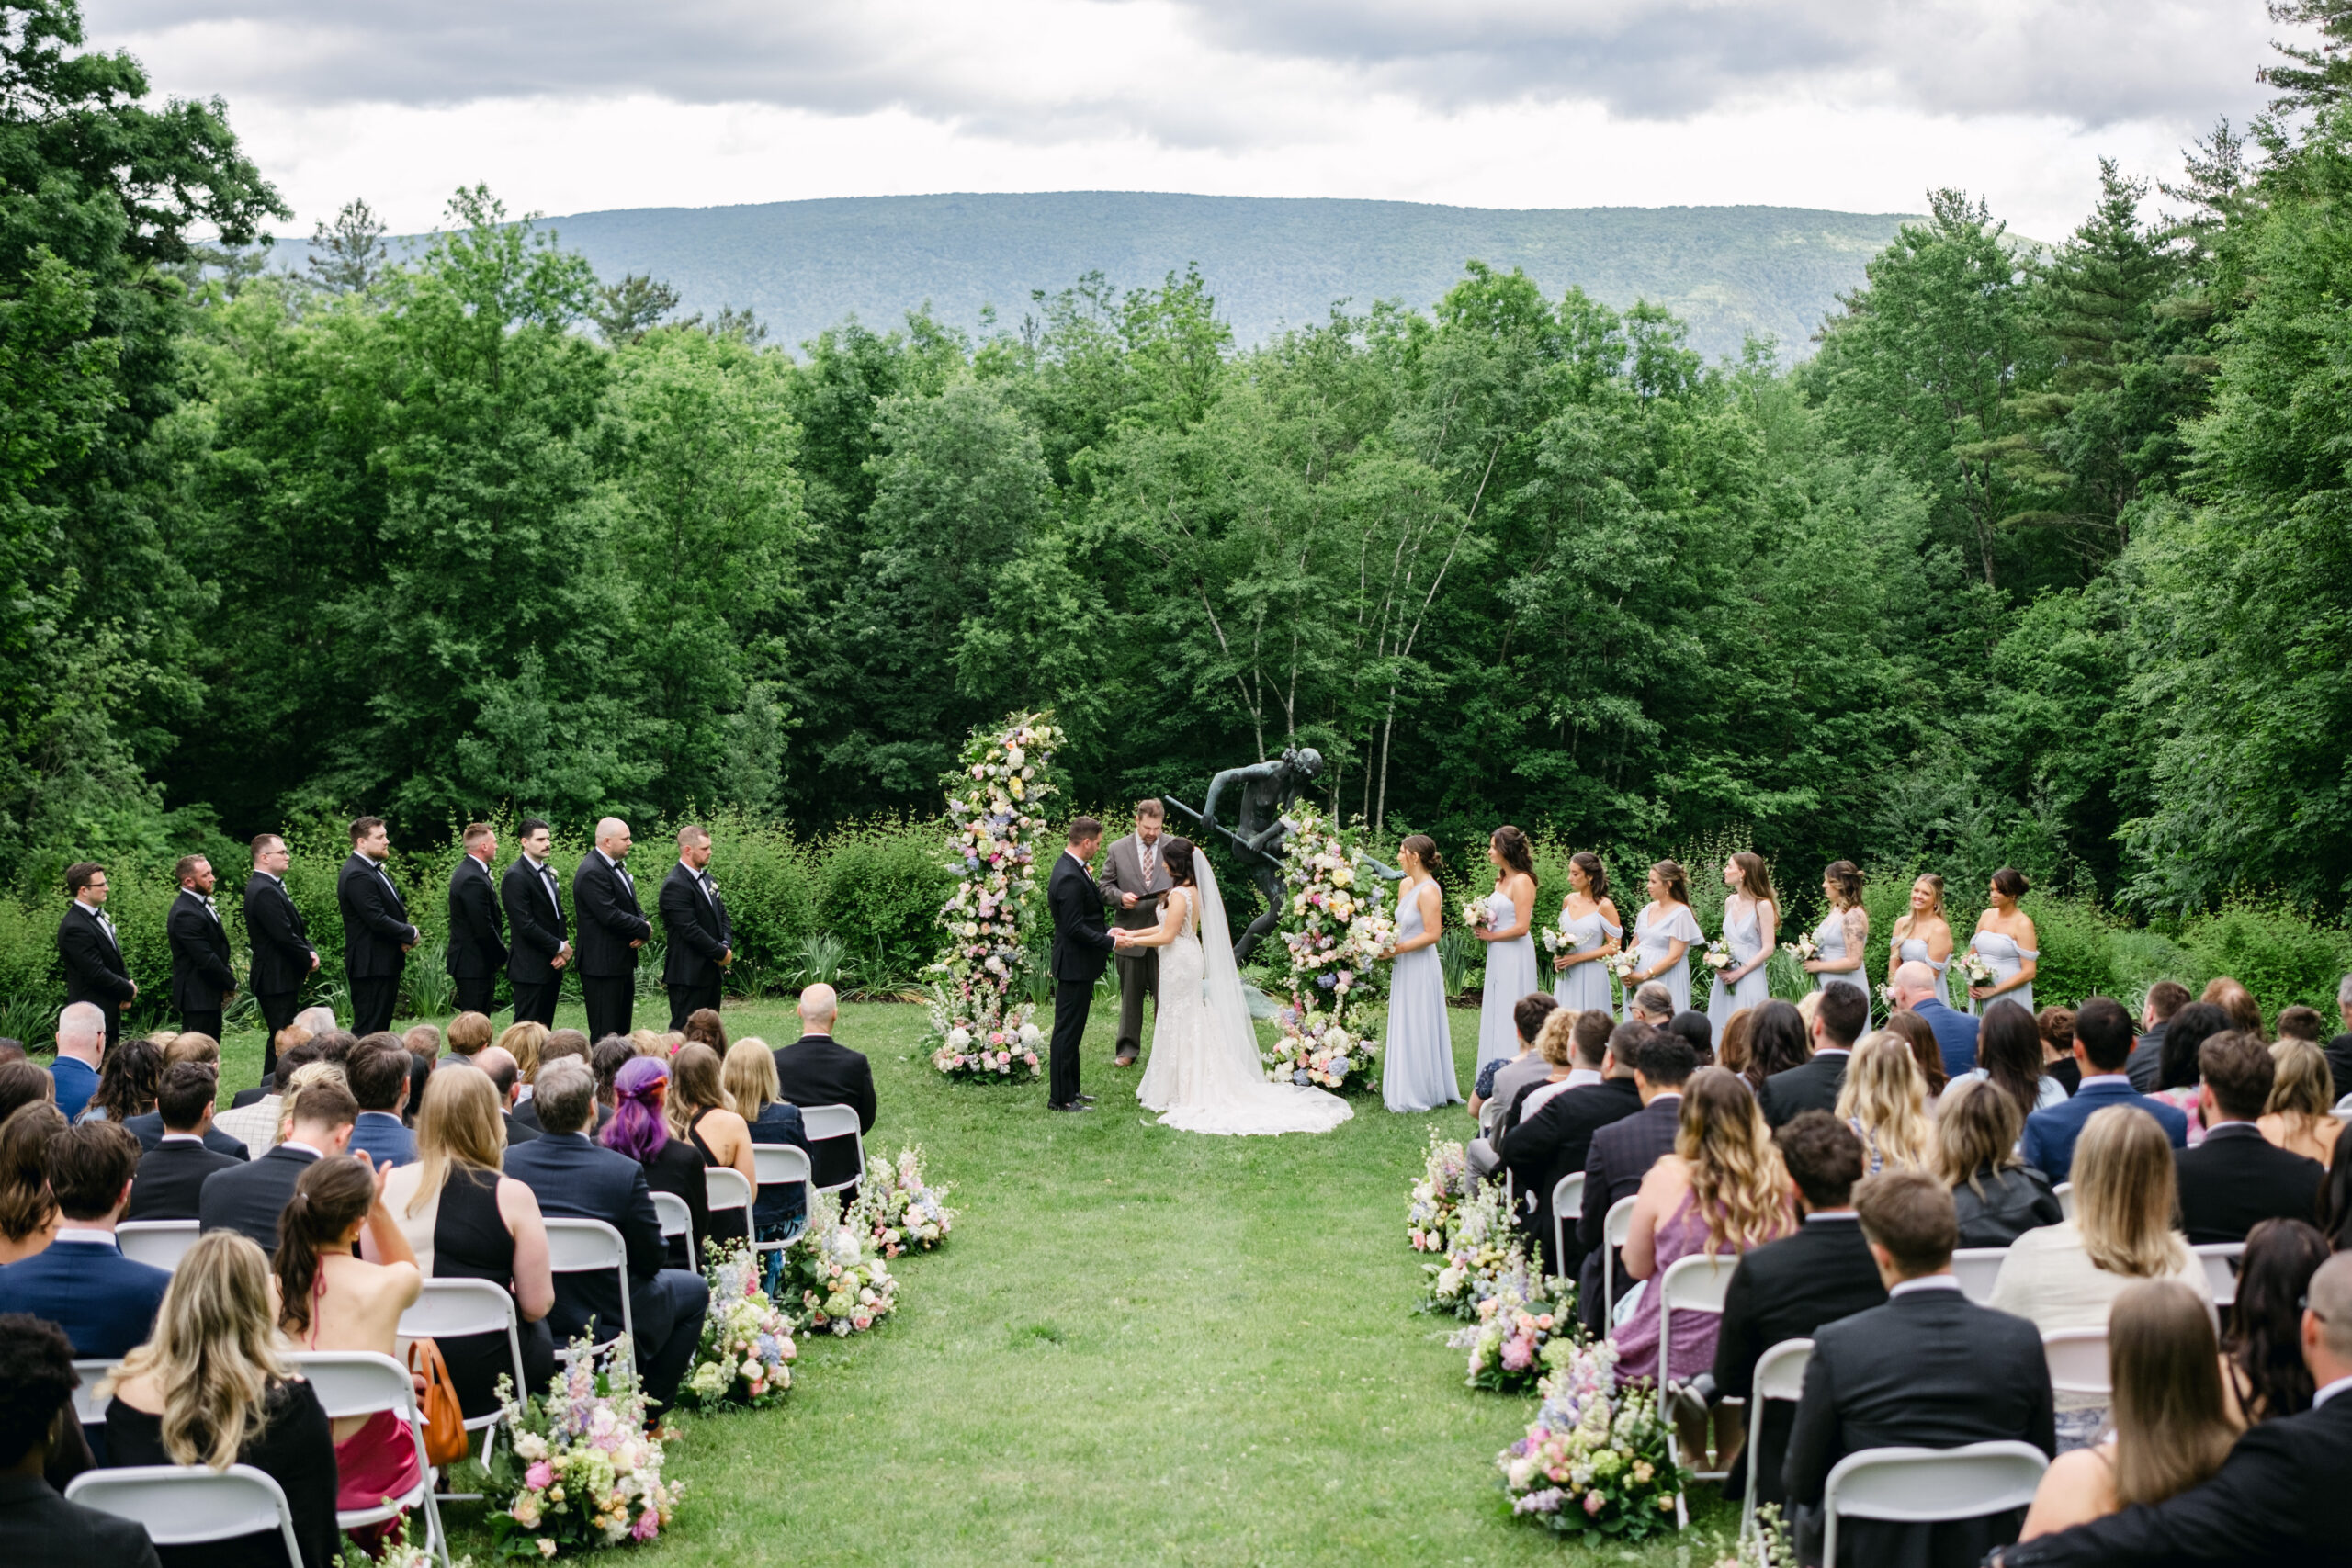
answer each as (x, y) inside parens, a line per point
(1122, 873)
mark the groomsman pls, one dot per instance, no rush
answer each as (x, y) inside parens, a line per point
(376, 932)
(477, 939)
(283, 956)
(701, 943)
(612, 927)
(1132, 881)
(533, 901)
(95, 972)
(201, 978)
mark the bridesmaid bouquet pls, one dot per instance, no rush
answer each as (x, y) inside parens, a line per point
(1558, 939)
(1719, 956)
(1624, 964)
(1978, 972)
(1803, 950)
(1476, 915)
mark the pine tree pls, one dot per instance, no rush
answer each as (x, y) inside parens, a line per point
(347, 256)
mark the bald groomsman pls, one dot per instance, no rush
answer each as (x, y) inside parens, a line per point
(376, 931)
(694, 918)
(477, 938)
(201, 978)
(612, 927)
(95, 972)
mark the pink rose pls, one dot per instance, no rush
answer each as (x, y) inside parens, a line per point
(646, 1526)
(539, 1476)
(1592, 1502)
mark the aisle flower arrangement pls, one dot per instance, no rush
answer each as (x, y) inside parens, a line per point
(1594, 1461)
(579, 1471)
(1518, 1337)
(1335, 936)
(1482, 1255)
(898, 1210)
(980, 1015)
(1437, 1196)
(746, 1354)
(840, 1287)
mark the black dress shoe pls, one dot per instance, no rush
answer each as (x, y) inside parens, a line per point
(1073, 1105)
(1085, 1099)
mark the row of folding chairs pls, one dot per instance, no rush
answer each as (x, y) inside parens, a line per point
(1977, 1267)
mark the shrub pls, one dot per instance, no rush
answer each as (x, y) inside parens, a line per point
(2271, 950)
(2078, 951)
(770, 886)
(881, 885)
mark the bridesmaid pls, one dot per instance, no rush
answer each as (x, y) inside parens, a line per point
(1751, 924)
(1923, 935)
(1663, 933)
(2005, 940)
(1587, 915)
(1508, 935)
(1416, 1071)
(1843, 937)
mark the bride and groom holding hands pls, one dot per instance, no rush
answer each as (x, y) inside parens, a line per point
(1204, 1074)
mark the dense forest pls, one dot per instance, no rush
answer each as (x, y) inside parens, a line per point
(2038, 555)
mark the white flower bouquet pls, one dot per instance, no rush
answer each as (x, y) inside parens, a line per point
(1805, 950)
(746, 1353)
(1482, 1255)
(1594, 1461)
(580, 1471)
(896, 1210)
(842, 1289)
(1718, 957)
(1975, 969)
(1437, 1196)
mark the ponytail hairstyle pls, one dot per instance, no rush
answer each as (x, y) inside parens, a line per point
(1754, 879)
(639, 1090)
(1511, 844)
(334, 1195)
(1595, 873)
(2010, 881)
(1678, 880)
(1177, 857)
(1845, 879)
(1424, 849)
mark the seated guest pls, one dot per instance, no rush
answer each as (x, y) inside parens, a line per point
(575, 1178)
(1511, 1078)
(2280, 1497)
(1884, 1100)
(1545, 1067)
(698, 1114)
(127, 1082)
(781, 1210)
(2297, 1117)
(2334, 1215)
(249, 1199)
(2339, 1049)
(378, 1073)
(286, 1040)
(1928, 1370)
(2237, 1177)
(1913, 1032)
(1838, 1020)
(2057, 1027)
(80, 1036)
(1694, 1027)
(21, 1084)
(2166, 999)
(201, 1050)
(641, 1129)
(1776, 1042)
(27, 1212)
(2102, 1039)
(212, 1388)
(1652, 1004)
(817, 1070)
(2068, 1275)
(465, 1221)
(11, 1050)
(559, 1044)
(704, 1027)
(1552, 1141)
(2300, 1022)
(2176, 1072)
(469, 1033)
(2262, 1375)
(506, 1083)
(611, 1054)
(424, 1045)
(1786, 1289)
(527, 1041)
(37, 1424)
(81, 1282)
(172, 1173)
(1527, 1016)
(2231, 996)
(1996, 1197)
(1623, 1152)
(1913, 986)
(254, 1122)
(2008, 1056)
(1732, 1051)
(2170, 1431)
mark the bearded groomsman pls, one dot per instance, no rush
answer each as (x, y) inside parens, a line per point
(694, 917)
(1132, 881)
(542, 949)
(95, 972)
(201, 979)
(283, 956)
(376, 932)
(612, 927)
(477, 939)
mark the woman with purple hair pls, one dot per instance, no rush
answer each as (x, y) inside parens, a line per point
(639, 1130)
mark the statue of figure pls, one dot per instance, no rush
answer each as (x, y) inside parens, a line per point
(1267, 790)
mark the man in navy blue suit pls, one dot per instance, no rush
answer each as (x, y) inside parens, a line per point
(2102, 1044)
(1914, 986)
(81, 1282)
(249, 1199)
(378, 1070)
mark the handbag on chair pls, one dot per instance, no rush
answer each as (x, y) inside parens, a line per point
(446, 1438)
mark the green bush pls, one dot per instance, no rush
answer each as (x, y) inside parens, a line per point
(2273, 951)
(770, 886)
(2078, 951)
(880, 887)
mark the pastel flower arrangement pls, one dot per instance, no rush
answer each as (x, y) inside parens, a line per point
(842, 1291)
(1482, 1255)
(1518, 1337)
(578, 1472)
(1335, 937)
(1719, 956)
(1594, 1461)
(980, 1012)
(1805, 950)
(1625, 963)
(1559, 939)
(746, 1353)
(896, 1210)
(1437, 1196)
(1477, 914)
(1974, 966)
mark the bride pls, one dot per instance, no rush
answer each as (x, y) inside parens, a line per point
(1205, 1076)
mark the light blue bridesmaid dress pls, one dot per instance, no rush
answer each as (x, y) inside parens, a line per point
(1745, 937)
(1831, 938)
(2006, 957)
(1417, 1061)
(1652, 941)
(1915, 951)
(1510, 975)
(1586, 986)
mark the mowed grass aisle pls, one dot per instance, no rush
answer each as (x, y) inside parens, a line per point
(1139, 1347)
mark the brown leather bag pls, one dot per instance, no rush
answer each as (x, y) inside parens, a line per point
(446, 1438)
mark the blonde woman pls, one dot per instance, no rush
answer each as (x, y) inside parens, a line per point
(2297, 1117)
(748, 1075)
(523, 1041)
(210, 1388)
(1884, 1100)
(1922, 934)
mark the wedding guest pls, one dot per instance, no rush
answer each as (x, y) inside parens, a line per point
(2297, 1115)
(172, 1174)
(1507, 1082)
(1694, 1027)
(1915, 1033)
(1417, 1070)
(1623, 1150)
(1554, 1140)
(255, 1123)
(378, 1075)
(506, 1083)
(29, 1217)
(1997, 1196)
(188, 1049)
(816, 1069)
(1527, 1015)
(1912, 990)
(641, 1129)
(1663, 934)
(37, 1524)
(1733, 1051)
(80, 1037)
(96, 975)
(2009, 1054)
(213, 1388)
(81, 1282)
(2232, 997)
(423, 1042)
(2177, 1073)
(2005, 941)
(1922, 934)
(704, 1027)
(2165, 999)
(780, 1211)
(561, 1045)
(250, 1198)
(2300, 1022)
(1777, 1041)
(700, 1114)
(1840, 1015)
(1751, 926)
(469, 1034)
(2170, 1431)
(2102, 1043)
(527, 1041)
(2057, 1027)
(1652, 1004)
(1589, 919)
(2339, 1049)
(1132, 881)
(2263, 1374)
(127, 1082)
(1511, 949)
(2237, 1177)
(22, 1084)
(1884, 1100)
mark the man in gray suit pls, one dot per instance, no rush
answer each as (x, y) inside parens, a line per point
(1132, 881)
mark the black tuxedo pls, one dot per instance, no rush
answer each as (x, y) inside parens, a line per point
(2279, 1498)
(1929, 1369)
(95, 971)
(283, 957)
(2338, 1053)
(534, 900)
(816, 1069)
(477, 936)
(200, 974)
(1552, 1144)
(375, 937)
(2236, 1178)
(1812, 1087)
(610, 920)
(170, 1181)
(1622, 1154)
(1785, 1289)
(149, 1130)
(2145, 1065)
(38, 1525)
(249, 1199)
(1081, 946)
(699, 936)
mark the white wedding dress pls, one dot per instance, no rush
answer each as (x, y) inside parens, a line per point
(1204, 1074)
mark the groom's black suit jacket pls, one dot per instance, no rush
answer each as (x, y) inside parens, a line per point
(1081, 941)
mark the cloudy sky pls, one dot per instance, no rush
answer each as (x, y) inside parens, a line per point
(570, 106)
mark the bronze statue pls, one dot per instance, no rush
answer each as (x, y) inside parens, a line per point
(1268, 789)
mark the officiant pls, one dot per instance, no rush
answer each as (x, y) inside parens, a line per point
(1132, 881)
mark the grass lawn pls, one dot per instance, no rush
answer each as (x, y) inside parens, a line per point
(1139, 1347)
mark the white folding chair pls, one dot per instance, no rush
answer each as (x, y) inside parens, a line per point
(1929, 1485)
(190, 1504)
(159, 1243)
(2344, 1109)
(825, 1122)
(1976, 1268)
(585, 1247)
(2220, 1259)
(676, 1217)
(728, 1193)
(1567, 1197)
(1696, 1283)
(1614, 1228)
(361, 1382)
(2078, 1359)
(2064, 1193)
(451, 1308)
(780, 1164)
(1780, 1374)
(88, 1408)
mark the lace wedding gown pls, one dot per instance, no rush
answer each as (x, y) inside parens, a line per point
(1204, 1074)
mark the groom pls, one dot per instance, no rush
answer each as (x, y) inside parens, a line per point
(1080, 943)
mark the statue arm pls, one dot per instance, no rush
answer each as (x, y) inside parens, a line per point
(1217, 787)
(1386, 872)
